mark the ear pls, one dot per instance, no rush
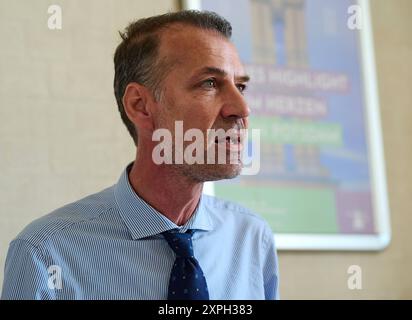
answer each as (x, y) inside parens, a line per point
(136, 102)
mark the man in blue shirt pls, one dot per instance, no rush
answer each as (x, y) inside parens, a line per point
(154, 234)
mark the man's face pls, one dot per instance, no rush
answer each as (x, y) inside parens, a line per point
(204, 90)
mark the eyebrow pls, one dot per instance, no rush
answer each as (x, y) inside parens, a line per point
(220, 72)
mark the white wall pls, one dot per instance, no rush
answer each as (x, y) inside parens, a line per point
(61, 136)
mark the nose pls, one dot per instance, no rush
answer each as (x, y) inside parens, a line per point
(234, 104)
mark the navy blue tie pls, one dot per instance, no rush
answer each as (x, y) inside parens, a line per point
(187, 281)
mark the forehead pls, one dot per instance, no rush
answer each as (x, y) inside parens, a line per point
(191, 48)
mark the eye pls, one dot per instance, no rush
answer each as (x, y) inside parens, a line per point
(209, 83)
(241, 87)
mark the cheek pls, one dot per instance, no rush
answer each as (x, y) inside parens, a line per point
(200, 116)
(196, 110)
(202, 109)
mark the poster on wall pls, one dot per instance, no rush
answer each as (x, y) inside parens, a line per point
(313, 95)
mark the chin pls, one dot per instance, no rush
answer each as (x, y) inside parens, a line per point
(230, 171)
(204, 173)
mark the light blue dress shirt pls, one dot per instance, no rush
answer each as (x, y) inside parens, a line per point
(109, 246)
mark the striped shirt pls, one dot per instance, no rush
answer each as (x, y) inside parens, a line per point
(109, 246)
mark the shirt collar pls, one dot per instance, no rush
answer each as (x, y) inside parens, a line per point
(143, 220)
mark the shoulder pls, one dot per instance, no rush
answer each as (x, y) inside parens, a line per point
(81, 211)
(229, 212)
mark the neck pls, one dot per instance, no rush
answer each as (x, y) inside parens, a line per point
(170, 193)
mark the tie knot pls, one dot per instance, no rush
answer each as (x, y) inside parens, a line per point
(181, 243)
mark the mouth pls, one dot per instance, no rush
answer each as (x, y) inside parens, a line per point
(232, 142)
